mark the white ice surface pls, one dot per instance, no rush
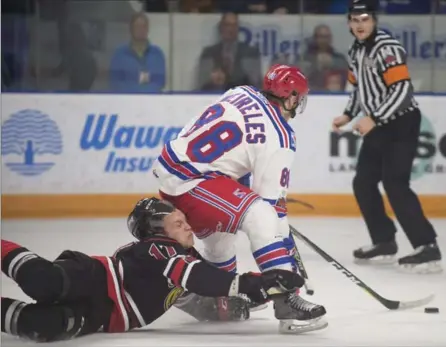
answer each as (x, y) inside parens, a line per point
(355, 318)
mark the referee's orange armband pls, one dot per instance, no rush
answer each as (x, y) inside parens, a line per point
(396, 74)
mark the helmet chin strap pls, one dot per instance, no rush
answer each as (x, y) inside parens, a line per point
(281, 102)
(292, 110)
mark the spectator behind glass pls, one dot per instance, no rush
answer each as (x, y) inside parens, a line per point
(197, 6)
(239, 61)
(283, 6)
(155, 5)
(286, 59)
(440, 7)
(218, 81)
(338, 6)
(406, 6)
(321, 59)
(241, 6)
(77, 61)
(15, 42)
(259, 6)
(138, 66)
(335, 81)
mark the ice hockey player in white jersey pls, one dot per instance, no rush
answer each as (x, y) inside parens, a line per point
(245, 131)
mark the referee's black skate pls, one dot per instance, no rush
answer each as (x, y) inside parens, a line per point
(298, 315)
(381, 253)
(424, 259)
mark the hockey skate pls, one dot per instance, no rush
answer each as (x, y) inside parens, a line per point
(254, 307)
(425, 259)
(297, 316)
(381, 253)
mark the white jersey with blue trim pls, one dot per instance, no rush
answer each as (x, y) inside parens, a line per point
(241, 133)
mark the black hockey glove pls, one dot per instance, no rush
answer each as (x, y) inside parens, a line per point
(260, 287)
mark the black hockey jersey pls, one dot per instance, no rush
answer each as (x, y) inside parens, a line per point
(152, 274)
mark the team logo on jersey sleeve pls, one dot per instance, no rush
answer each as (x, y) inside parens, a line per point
(172, 297)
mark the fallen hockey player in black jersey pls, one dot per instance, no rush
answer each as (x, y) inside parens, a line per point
(79, 294)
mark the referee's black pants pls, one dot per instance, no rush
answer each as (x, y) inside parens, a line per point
(386, 156)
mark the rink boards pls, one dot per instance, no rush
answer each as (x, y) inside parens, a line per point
(91, 155)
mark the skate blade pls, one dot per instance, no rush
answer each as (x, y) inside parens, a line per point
(258, 307)
(431, 267)
(297, 327)
(378, 260)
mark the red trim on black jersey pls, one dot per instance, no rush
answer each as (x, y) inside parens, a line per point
(177, 272)
(8, 247)
(122, 316)
(160, 238)
(179, 268)
(13, 257)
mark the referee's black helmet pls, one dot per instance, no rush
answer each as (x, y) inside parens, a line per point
(363, 7)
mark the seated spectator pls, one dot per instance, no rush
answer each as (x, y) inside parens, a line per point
(241, 6)
(314, 6)
(337, 6)
(7, 76)
(286, 59)
(406, 6)
(15, 42)
(283, 6)
(77, 59)
(322, 59)
(240, 62)
(197, 6)
(259, 6)
(138, 66)
(440, 6)
(218, 81)
(13, 52)
(155, 5)
(335, 81)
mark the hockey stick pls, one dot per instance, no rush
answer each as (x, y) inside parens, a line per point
(303, 203)
(300, 264)
(390, 304)
(308, 287)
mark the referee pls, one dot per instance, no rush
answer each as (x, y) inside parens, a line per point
(390, 130)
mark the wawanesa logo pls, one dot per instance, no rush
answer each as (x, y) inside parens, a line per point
(127, 145)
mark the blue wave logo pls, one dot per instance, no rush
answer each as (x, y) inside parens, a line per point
(29, 134)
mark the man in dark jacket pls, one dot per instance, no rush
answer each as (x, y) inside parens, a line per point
(239, 61)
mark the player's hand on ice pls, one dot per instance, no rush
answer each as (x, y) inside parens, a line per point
(339, 122)
(260, 287)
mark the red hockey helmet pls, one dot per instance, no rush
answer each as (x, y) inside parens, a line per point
(282, 81)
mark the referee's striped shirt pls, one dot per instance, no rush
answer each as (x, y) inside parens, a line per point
(382, 86)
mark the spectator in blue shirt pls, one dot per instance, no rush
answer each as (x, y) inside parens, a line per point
(337, 6)
(440, 7)
(406, 6)
(138, 66)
